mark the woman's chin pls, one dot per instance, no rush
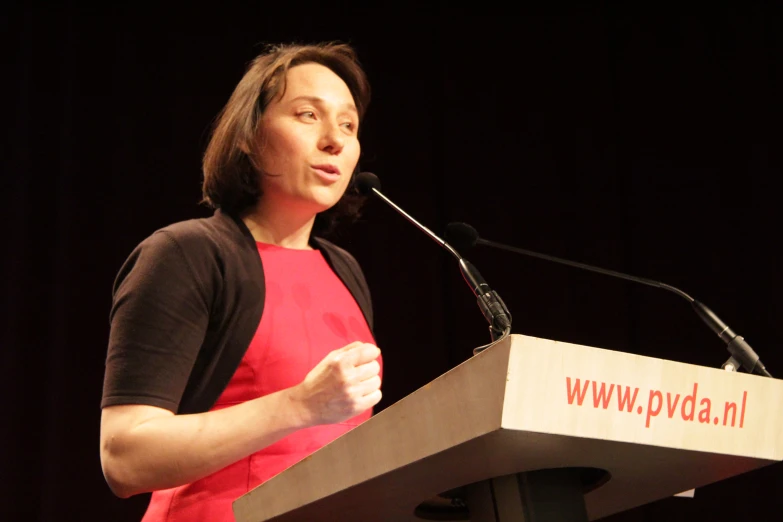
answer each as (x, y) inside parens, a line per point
(323, 202)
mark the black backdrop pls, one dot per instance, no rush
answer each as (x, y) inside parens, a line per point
(646, 143)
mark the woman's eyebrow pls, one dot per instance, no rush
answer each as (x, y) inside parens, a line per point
(320, 101)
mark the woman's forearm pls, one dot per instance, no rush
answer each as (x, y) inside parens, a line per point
(161, 450)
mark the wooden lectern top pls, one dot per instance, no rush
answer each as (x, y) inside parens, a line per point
(657, 427)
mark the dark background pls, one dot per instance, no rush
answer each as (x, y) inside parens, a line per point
(648, 143)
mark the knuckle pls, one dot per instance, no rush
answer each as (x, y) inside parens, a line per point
(345, 394)
(346, 376)
(339, 369)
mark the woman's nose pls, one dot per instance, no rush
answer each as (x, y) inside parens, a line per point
(332, 139)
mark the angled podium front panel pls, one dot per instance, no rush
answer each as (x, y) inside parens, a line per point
(657, 427)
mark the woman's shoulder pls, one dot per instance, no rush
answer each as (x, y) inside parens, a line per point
(215, 245)
(210, 249)
(215, 234)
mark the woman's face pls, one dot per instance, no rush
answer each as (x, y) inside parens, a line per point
(309, 144)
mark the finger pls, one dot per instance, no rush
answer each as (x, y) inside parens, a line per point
(366, 353)
(369, 400)
(366, 371)
(346, 353)
(349, 347)
(357, 353)
(366, 387)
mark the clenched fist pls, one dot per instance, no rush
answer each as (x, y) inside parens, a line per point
(344, 384)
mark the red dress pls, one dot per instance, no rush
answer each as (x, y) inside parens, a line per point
(308, 312)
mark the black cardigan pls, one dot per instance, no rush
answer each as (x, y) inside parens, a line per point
(186, 305)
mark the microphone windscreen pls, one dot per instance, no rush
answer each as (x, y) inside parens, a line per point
(461, 236)
(366, 181)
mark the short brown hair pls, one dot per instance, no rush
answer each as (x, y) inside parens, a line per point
(231, 180)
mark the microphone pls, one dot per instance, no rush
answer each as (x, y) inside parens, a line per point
(742, 355)
(491, 305)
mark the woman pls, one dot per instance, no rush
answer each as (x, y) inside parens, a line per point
(241, 343)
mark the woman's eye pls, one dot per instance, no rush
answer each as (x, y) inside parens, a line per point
(348, 125)
(307, 114)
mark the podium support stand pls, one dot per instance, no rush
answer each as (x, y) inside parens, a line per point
(548, 495)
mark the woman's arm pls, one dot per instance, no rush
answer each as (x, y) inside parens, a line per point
(145, 448)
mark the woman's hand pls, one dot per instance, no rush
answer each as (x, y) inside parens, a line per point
(344, 384)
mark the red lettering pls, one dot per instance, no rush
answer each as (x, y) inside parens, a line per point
(653, 412)
(692, 400)
(601, 397)
(671, 408)
(625, 400)
(576, 392)
(704, 413)
(742, 415)
(733, 407)
(577, 389)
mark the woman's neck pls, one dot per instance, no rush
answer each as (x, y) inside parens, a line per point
(283, 229)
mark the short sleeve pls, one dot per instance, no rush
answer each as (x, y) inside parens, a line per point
(158, 322)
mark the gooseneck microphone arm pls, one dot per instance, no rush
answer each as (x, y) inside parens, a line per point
(650, 282)
(421, 227)
(742, 355)
(491, 305)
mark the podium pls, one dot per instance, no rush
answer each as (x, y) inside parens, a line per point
(630, 429)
